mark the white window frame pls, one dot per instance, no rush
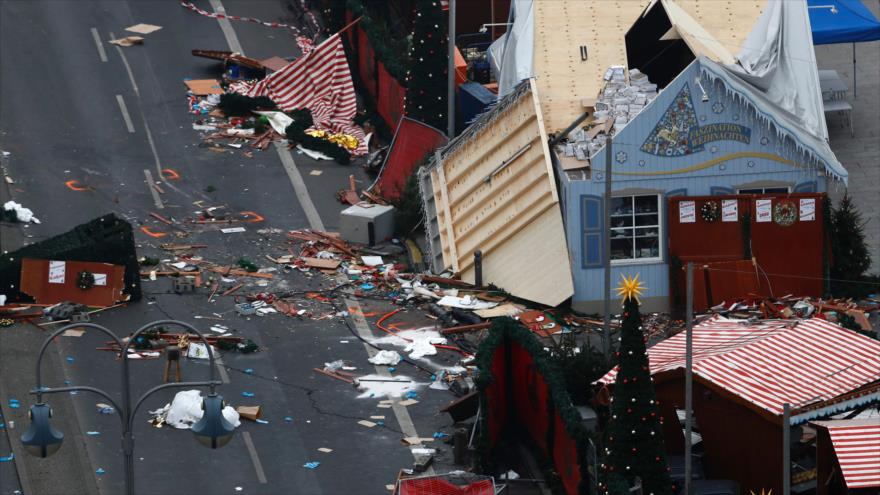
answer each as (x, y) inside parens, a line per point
(660, 233)
(763, 190)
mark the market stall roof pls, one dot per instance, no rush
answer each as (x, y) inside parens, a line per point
(856, 444)
(813, 365)
(548, 36)
(842, 21)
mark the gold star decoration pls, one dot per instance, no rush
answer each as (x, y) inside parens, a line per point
(630, 288)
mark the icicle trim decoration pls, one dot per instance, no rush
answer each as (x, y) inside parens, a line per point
(792, 147)
(844, 406)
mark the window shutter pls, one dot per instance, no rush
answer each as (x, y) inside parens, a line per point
(591, 231)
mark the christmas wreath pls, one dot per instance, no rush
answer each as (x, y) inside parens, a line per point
(785, 213)
(85, 280)
(710, 211)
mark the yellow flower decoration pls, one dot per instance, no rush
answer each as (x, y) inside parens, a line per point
(630, 288)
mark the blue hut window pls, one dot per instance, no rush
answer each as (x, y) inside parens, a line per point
(591, 231)
(635, 228)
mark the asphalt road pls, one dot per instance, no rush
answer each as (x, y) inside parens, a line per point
(61, 120)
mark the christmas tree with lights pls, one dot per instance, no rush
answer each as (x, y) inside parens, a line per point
(425, 98)
(634, 437)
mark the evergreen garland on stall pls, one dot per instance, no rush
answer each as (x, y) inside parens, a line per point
(634, 437)
(425, 98)
(506, 329)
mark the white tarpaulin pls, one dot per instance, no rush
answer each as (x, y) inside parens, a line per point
(186, 409)
(778, 59)
(515, 47)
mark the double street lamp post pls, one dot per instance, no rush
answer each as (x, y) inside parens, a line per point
(212, 430)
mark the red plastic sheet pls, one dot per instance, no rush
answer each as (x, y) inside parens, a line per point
(412, 141)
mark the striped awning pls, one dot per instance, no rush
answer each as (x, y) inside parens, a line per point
(802, 363)
(321, 81)
(857, 447)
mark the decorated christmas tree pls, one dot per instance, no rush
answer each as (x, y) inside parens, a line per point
(425, 98)
(634, 437)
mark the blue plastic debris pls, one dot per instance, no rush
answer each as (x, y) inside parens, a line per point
(380, 423)
(69, 359)
(262, 421)
(93, 433)
(392, 369)
(13, 403)
(311, 465)
(2, 425)
(433, 378)
(106, 410)
(100, 471)
(412, 394)
(367, 286)
(249, 371)
(440, 434)
(288, 419)
(8, 458)
(247, 394)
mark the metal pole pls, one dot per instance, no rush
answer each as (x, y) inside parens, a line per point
(478, 268)
(606, 237)
(450, 75)
(689, 380)
(855, 94)
(786, 449)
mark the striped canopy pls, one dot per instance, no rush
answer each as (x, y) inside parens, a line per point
(802, 363)
(857, 446)
(320, 81)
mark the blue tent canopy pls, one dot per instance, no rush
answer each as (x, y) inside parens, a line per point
(852, 22)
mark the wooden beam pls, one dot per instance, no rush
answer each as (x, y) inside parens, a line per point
(444, 196)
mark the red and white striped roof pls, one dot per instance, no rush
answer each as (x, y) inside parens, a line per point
(771, 363)
(857, 445)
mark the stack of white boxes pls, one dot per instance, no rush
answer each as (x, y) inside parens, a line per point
(618, 100)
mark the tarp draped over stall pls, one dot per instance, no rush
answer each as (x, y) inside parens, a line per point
(778, 59)
(511, 54)
(849, 21)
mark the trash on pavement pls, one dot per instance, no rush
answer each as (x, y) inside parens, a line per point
(311, 465)
(186, 409)
(385, 357)
(128, 41)
(143, 28)
(17, 213)
(252, 413)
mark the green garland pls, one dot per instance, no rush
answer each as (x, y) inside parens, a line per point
(236, 105)
(558, 399)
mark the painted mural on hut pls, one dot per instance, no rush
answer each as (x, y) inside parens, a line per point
(696, 138)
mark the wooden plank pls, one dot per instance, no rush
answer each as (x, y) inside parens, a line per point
(544, 140)
(450, 233)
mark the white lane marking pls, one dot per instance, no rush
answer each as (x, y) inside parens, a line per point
(101, 52)
(125, 115)
(400, 412)
(258, 467)
(127, 69)
(226, 27)
(299, 186)
(407, 427)
(151, 186)
(221, 369)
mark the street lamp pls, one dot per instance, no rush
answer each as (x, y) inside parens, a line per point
(41, 439)
(213, 430)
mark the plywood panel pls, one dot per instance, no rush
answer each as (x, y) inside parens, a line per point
(562, 26)
(494, 191)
